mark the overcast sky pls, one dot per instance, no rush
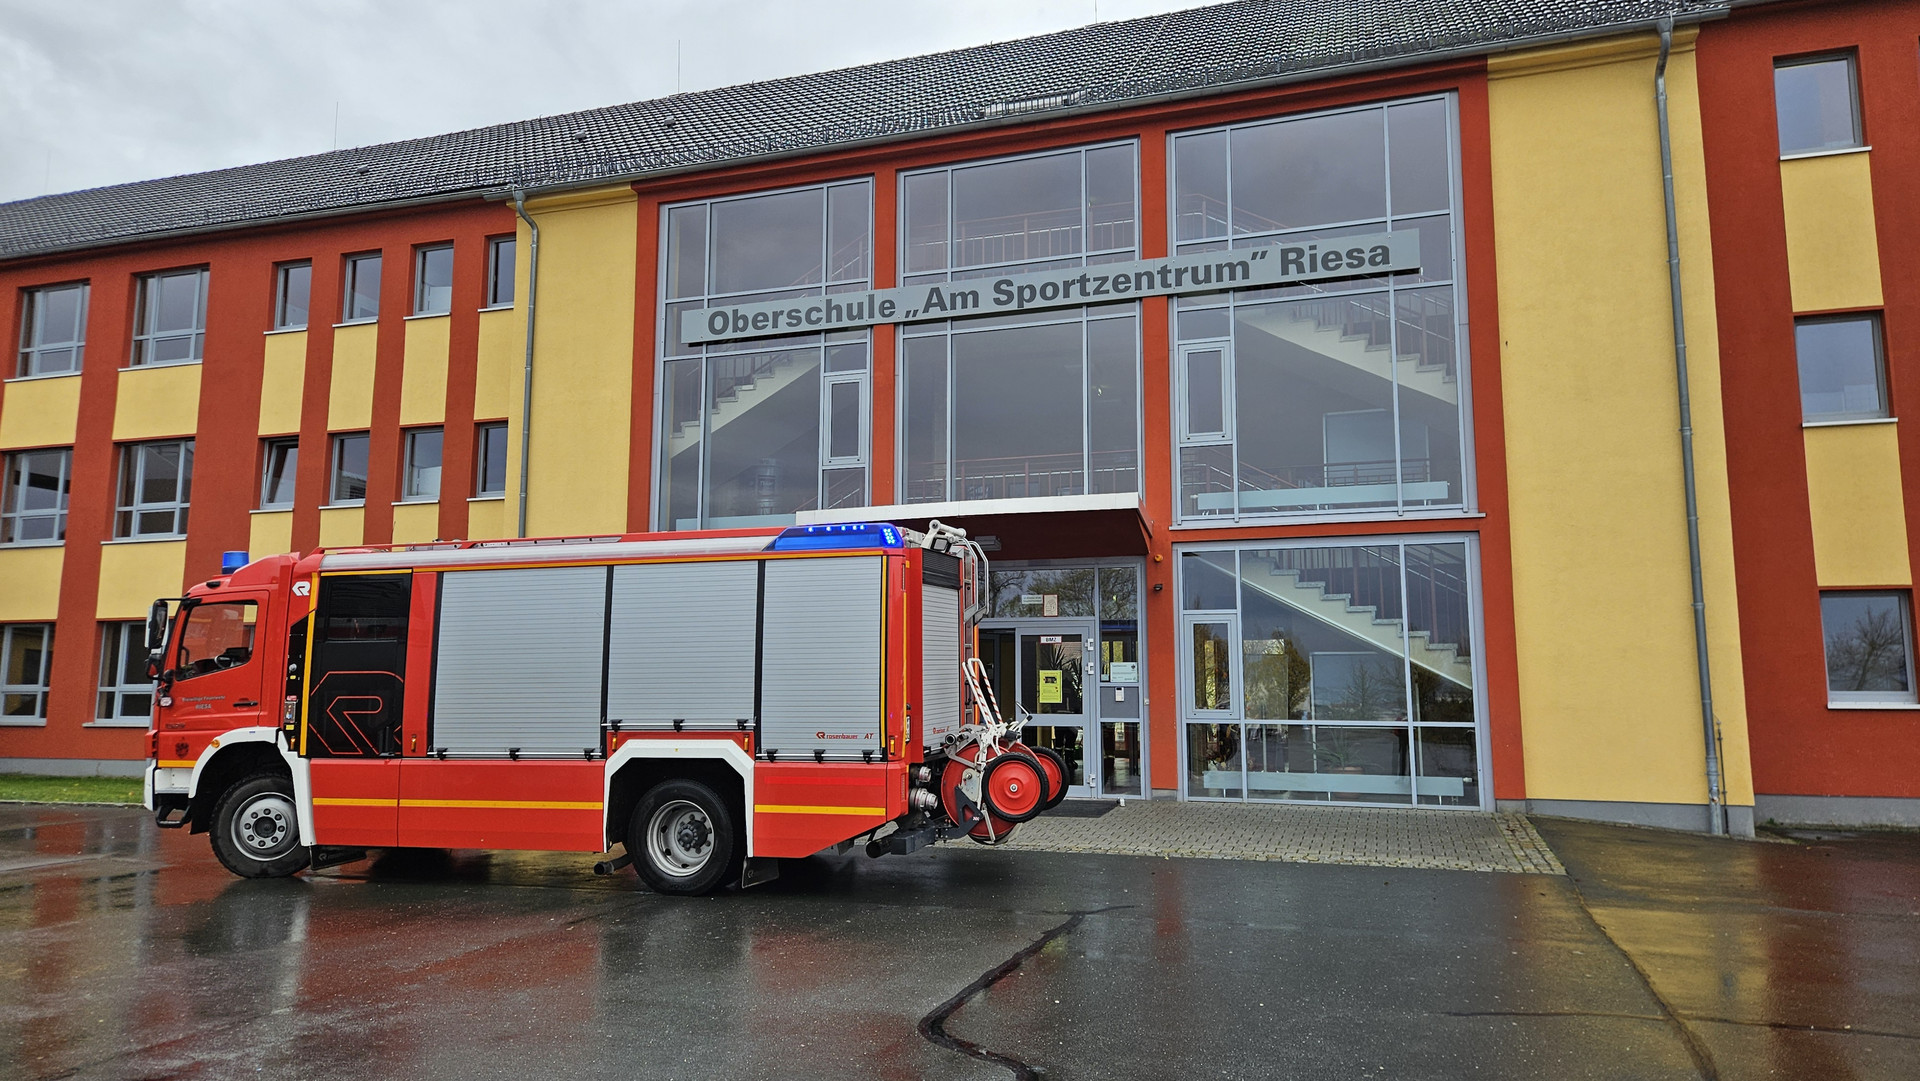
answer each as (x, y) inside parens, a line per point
(99, 92)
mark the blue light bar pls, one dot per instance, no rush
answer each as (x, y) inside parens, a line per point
(233, 561)
(840, 535)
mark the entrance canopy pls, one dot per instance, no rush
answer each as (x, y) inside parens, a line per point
(1048, 527)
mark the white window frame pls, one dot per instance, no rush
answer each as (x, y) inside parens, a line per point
(33, 331)
(281, 275)
(480, 433)
(39, 689)
(11, 516)
(349, 273)
(1852, 60)
(336, 451)
(420, 255)
(1877, 325)
(127, 512)
(408, 493)
(266, 470)
(120, 640)
(495, 245)
(146, 337)
(1904, 600)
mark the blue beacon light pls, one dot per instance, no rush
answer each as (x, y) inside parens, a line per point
(233, 561)
(838, 535)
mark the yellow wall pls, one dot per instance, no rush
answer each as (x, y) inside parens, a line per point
(583, 364)
(40, 412)
(133, 574)
(270, 533)
(350, 397)
(416, 523)
(1854, 493)
(1833, 257)
(30, 583)
(1608, 685)
(152, 403)
(343, 527)
(423, 382)
(503, 343)
(490, 519)
(283, 383)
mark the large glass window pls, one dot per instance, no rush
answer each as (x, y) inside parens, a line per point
(1332, 397)
(156, 488)
(26, 665)
(1842, 369)
(1869, 639)
(754, 431)
(1040, 405)
(1816, 101)
(1330, 673)
(170, 317)
(33, 495)
(53, 329)
(126, 694)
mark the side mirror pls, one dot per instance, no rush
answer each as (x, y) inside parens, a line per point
(156, 627)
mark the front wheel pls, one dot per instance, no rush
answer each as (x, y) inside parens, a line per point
(255, 831)
(682, 839)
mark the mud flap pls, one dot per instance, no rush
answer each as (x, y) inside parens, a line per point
(758, 869)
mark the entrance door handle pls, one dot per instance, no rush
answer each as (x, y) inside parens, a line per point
(245, 705)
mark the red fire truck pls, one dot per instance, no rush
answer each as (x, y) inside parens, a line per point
(700, 705)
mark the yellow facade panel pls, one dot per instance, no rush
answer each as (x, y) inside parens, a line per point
(350, 395)
(1859, 516)
(503, 342)
(423, 382)
(133, 574)
(40, 412)
(156, 402)
(270, 533)
(283, 383)
(489, 519)
(30, 583)
(1833, 256)
(1609, 696)
(416, 523)
(342, 527)
(583, 364)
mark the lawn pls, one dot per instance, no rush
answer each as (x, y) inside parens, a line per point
(35, 789)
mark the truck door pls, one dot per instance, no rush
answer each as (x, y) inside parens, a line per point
(356, 692)
(216, 677)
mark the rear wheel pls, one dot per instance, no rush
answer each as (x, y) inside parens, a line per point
(683, 839)
(255, 831)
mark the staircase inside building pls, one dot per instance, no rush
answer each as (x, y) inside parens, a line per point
(1311, 593)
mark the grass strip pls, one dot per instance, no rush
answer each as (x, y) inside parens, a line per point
(32, 788)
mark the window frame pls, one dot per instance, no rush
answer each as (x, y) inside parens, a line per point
(495, 245)
(409, 436)
(1903, 599)
(350, 265)
(481, 434)
(127, 513)
(268, 449)
(41, 690)
(421, 253)
(282, 273)
(336, 450)
(1851, 58)
(122, 642)
(1877, 329)
(11, 516)
(33, 341)
(146, 338)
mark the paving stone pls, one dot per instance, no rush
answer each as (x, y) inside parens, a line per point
(1292, 833)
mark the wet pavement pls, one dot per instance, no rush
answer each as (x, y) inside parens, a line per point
(127, 952)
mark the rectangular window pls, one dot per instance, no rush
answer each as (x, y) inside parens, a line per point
(126, 694)
(33, 496)
(53, 329)
(1843, 373)
(423, 465)
(1869, 640)
(490, 464)
(26, 662)
(433, 280)
(1342, 397)
(170, 317)
(362, 292)
(1816, 100)
(293, 285)
(500, 255)
(1024, 406)
(347, 479)
(279, 472)
(755, 431)
(156, 486)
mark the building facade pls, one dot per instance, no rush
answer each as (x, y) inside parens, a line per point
(1405, 529)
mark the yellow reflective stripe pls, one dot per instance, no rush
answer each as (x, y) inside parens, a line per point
(337, 802)
(796, 809)
(538, 805)
(176, 763)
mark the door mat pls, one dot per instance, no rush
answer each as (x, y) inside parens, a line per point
(1083, 808)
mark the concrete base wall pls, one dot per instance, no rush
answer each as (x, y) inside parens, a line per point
(1858, 811)
(1672, 816)
(74, 767)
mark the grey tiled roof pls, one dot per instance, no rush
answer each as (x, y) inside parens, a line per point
(1105, 65)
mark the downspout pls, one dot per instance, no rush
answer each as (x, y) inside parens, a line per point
(526, 373)
(1716, 804)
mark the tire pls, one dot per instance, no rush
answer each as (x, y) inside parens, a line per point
(1014, 787)
(1054, 765)
(683, 839)
(256, 833)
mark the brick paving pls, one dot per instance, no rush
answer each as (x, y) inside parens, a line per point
(1293, 833)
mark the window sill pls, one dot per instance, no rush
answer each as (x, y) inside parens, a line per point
(33, 544)
(357, 322)
(1799, 155)
(41, 376)
(1848, 422)
(162, 364)
(428, 315)
(1874, 705)
(131, 725)
(357, 504)
(288, 509)
(421, 502)
(301, 329)
(498, 308)
(146, 540)
(1382, 514)
(22, 722)
(498, 497)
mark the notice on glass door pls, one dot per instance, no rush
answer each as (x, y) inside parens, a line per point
(1052, 686)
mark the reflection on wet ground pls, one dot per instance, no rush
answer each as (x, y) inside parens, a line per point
(126, 951)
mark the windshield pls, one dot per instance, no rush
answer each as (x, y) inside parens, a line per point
(215, 637)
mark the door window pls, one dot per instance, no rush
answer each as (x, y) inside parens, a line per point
(216, 637)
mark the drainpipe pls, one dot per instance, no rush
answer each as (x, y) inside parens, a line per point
(1716, 804)
(526, 374)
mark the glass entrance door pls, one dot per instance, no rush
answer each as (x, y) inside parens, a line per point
(1048, 669)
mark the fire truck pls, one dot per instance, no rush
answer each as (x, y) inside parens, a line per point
(699, 705)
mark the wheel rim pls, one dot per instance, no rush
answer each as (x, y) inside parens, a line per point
(680, 839)
(1014, 788)
(264, 827)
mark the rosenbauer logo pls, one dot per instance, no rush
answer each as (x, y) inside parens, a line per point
(841, 735)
